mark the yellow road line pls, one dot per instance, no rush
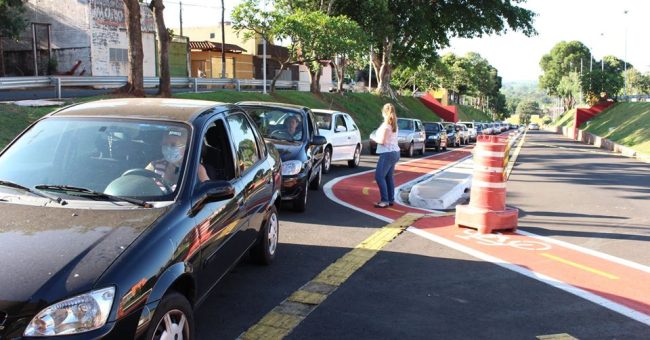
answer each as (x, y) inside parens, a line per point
(580, 266)
(513, 159)
(396, 210)
(284, 318)
(365, 190)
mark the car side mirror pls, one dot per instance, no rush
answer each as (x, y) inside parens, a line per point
(341, 128)
(318, 140)
(212, 191)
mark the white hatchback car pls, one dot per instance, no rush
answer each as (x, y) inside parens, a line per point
(343, 137)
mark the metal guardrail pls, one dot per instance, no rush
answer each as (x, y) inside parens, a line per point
(16, 83)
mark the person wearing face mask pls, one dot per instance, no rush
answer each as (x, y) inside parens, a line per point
(173, 148)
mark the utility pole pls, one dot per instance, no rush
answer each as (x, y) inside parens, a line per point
(180, 13)
(625, 57)
(223, 40)
(264, 63)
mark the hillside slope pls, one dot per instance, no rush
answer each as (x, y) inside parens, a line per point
(624, 123)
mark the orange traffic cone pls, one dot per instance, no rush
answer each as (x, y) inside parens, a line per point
(487, 209)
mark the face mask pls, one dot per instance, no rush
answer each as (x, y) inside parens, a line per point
(172, 154)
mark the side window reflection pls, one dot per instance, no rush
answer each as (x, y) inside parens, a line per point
(244, 141)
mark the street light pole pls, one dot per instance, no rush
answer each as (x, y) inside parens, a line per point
(625, 57)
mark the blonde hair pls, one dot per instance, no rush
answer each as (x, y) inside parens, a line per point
(390, 117)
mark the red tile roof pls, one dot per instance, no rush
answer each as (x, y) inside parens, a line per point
(216, 47)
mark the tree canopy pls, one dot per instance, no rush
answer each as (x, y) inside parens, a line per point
(11, 18)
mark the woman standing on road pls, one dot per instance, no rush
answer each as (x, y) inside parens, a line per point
(388, 150)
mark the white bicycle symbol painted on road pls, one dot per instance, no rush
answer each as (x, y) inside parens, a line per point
(499, 239)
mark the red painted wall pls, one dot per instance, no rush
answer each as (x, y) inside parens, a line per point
(583, 115)
(447, 113)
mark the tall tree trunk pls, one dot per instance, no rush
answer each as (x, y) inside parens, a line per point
(2, 59)
(135, 81)
(315, 79)
(277, 75)
(340, 72)
(385, 71)
(164, 86)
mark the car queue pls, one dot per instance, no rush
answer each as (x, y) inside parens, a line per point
(197, 183)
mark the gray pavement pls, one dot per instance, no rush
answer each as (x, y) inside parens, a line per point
(580, 194)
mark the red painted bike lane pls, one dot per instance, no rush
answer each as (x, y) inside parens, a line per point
(614, 283)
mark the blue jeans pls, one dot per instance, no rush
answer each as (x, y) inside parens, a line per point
(384, 175)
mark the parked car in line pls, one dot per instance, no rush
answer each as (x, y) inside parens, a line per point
(109, 228)
(533, 126)
(343, 138)
(292, 130)
(453, 137)
(436, 135)
(479, 129)
(410, 137)
(471, 129)
(463, 133)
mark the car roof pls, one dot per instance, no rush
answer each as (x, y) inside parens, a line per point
(272, 104)
(325, 111)
(165, 108)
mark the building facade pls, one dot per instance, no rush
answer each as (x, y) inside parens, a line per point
(78, 37)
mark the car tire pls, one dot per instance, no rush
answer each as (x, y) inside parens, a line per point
(300, 203)
(264, 251)
(173, 309)
(316, 182)
(410, 151)
(423, 150)
(327, 160)
(354, 162)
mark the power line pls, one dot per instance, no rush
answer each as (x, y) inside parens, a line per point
(191, 5)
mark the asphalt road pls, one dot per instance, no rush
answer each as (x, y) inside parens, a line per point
(415, 288)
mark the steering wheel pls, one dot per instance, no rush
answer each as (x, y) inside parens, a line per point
(158, 179)
(282, 134)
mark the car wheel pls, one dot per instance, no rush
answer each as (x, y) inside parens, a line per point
(354, 162)
(173, 318)
(423, 150)
(300, 203)
(316, 182)
(327, 160)
(264, 251)
(410, 151)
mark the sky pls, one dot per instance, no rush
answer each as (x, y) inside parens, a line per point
(599, 24)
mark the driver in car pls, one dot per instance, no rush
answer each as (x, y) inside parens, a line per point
(173, 145)
(293, 127)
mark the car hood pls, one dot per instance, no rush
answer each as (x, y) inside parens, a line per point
(52, 253)
(288, 150)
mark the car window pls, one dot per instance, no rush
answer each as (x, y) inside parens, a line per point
(216, 152)
(340, 121)
(404, 124)
(276, 123)
(431, 127)
(323, 120)
(135, 158)
(351, 125)
(244, 142)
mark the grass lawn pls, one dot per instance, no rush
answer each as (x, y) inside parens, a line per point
(624, 123)
(566, 119)
(470, 114)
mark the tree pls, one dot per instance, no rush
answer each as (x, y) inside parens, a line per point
(11, 24)
(164, 86)
(604, 81)
(135, 79)
(637, 83)
(526, 109)
(564, 58)
(250, 19)
(405, 32)
(569, 89)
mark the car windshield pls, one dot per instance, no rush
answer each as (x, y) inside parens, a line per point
(404, 124)
(429, 127)
(450, 128)
(278, 123)
(119, 157)
(323, 120)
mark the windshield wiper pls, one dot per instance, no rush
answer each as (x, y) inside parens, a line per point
(36, 192)
(88, 192)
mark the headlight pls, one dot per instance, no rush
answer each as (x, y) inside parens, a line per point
(402, 138)
(79, 314)
(290, 168)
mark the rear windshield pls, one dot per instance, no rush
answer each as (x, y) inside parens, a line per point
(323, 120)
(405, 124)
(430, 127)
(469, 125)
